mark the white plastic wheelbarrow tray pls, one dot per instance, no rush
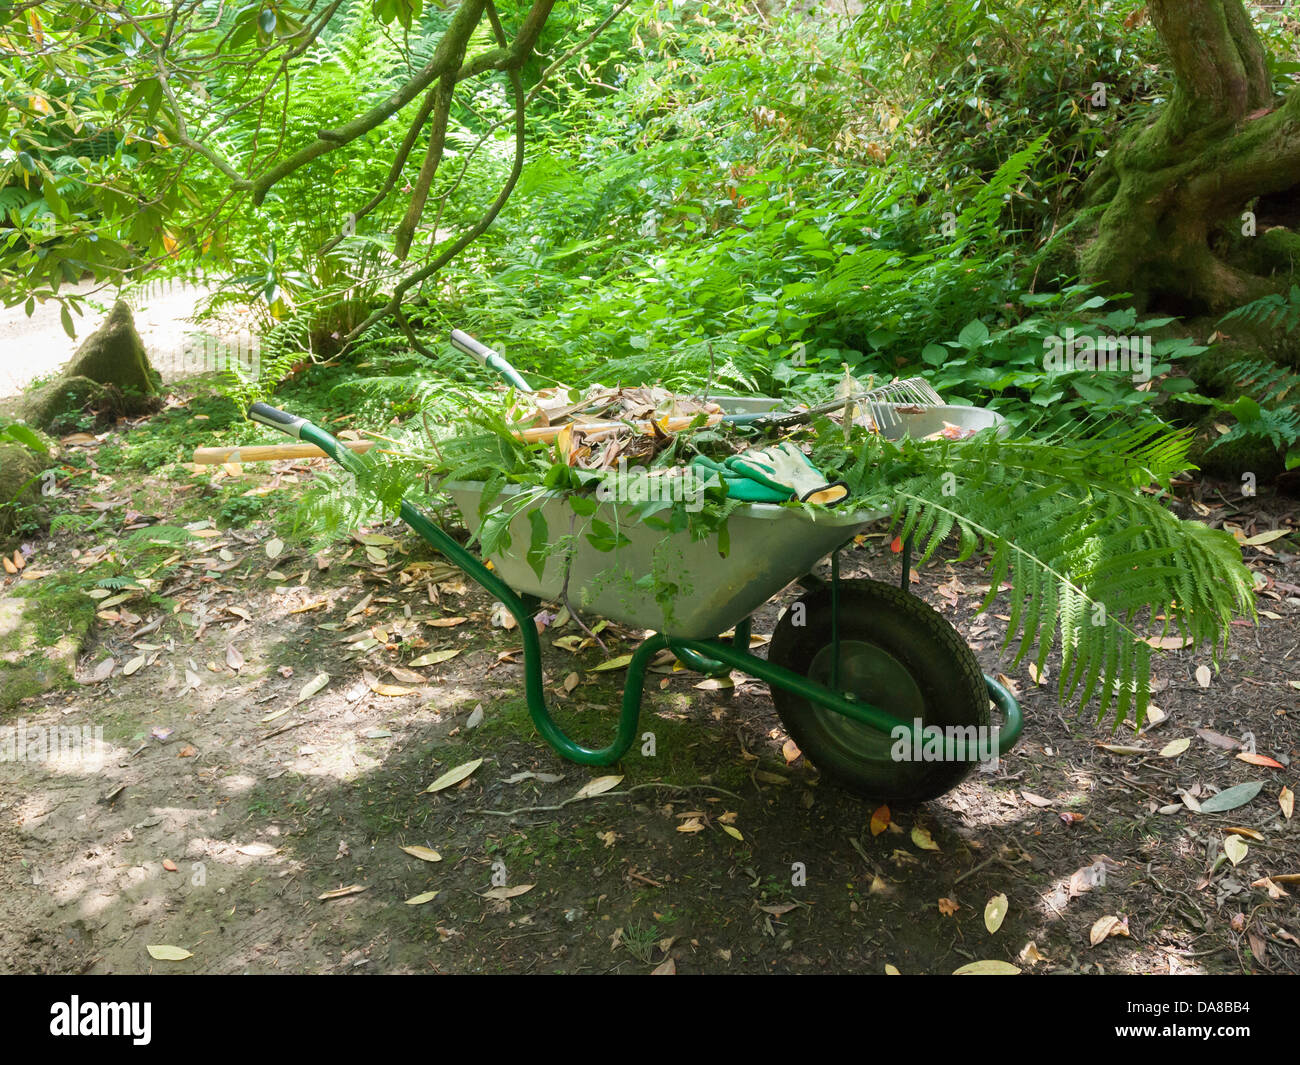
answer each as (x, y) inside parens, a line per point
(770, 546)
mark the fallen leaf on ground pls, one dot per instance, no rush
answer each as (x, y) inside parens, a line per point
(1231, 798)
(995, 912)
(166, 953)
(1168, 643)
(390, 690)
(1266, 537)
(500, 894)
(922, 838)
(338, 893)
(313, 686)
(433, 658)
(1032, 954)
(598, 786)
(1107, 926)
(454, 776)
(613, 663)
(1260, 759)
(990, 967)
(1218, 739)
(425, 854)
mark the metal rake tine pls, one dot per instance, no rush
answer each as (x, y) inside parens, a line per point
(878, 403)
(919, 391)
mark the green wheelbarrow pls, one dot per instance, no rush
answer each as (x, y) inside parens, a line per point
(877, 688)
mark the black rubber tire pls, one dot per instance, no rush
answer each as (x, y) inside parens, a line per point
(900, 651)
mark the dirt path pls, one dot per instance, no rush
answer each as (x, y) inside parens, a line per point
(227, 803)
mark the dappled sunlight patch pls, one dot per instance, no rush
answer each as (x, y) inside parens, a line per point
(341, 761)
(982, 805)
(58, 749)
(238, 783)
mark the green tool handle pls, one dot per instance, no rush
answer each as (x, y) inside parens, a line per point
(462, 341)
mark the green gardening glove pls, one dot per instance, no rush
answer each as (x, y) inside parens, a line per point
(783, 467)
(738, 485)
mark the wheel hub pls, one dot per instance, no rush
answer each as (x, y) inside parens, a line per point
(870, 674)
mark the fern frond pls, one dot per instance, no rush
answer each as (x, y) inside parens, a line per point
(1271, 411)
(1091, 560)
(1273, 311)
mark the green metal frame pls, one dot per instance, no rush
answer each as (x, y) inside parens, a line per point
(713, 656)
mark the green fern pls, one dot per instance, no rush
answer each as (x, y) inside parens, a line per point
(1271, 412)
(75, 522)
(117, 583)
(283, 347)
(1273, 311)
(730, 366)
(1093, 563)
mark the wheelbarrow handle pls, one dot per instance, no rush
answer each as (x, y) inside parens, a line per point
(302, 429)
(289, 424)
(462, 341)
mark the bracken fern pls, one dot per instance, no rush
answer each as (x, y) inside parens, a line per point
(1094, 564)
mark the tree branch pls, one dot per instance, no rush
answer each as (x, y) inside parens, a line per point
(394, 305)
(405, 232)
(445, 60)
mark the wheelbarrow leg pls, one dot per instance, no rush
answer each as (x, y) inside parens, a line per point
(522, 609)
(534, 689)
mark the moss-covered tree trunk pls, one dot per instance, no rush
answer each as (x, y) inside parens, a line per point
(1170, 197)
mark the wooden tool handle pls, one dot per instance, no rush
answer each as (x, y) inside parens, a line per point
(209, 456)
